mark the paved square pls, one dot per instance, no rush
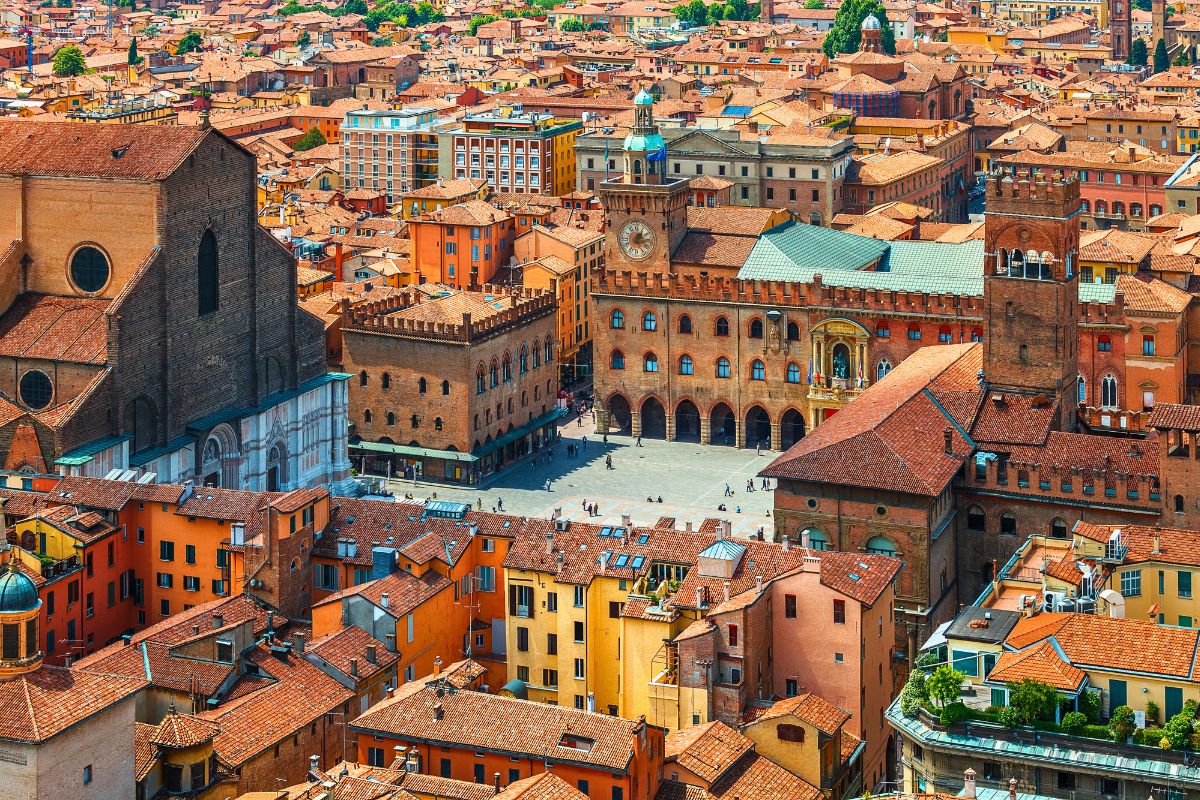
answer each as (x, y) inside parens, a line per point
(690, 478)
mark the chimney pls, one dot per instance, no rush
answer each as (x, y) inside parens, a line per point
(195, 629)
(298, 642)
(496, 781)
(968, 792)
(1012, 789)
(383, 600)
(549, 542)
(1157, 547)
(920, 141)
(437, 666)
(687, 527)
(948, 440)
(372, 654)
(270, 622)
(218, 621)
(354, 668)
(758, 583)
(699, 596)
(437, 711)
(314, 762)
(726, 591)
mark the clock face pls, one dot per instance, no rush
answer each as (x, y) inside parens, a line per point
(636, 240)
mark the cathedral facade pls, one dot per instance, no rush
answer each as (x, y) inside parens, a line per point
(148, 324)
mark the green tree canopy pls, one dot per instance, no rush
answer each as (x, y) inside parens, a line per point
(1139, 54)
(134, 58)
(354, 7)
(1161, 61)
(846, 34)
(308, 141)
(477, 20)
(1122, 723)
(68, 61)
(1032, 699)
(304, 40)
(572, 26)
(815, 5)
(1182, 60)
(191, 43)
(945, 684)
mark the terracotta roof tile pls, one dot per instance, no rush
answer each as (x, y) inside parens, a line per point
(120, 152)
(707, 750)
(816, 711)
(1041, 662)
(56, 329)
(41, 704)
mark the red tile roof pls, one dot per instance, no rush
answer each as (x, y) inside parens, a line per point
(72, 329)
(120, 152)
(41, 704)
(707, 750)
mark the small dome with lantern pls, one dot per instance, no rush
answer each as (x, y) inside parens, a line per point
(871, 23)
(644, 136)
(17, 591)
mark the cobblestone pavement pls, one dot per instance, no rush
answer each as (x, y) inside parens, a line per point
(690, 478)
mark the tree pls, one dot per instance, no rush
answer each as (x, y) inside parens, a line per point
(358, 7)
(572, 26)
(191, 43)
(1074, 722)
(1178, 730)
(1122, 723)
(69, 62)
(694, 11)
(477, 20)
(914, 694)
(597, 26)
(846, 34)
(305, 39)
(134, 58)
(1032, 699)
(945, 685)
(1138, 54)
(63, 3)
(314, 138)
(1161, 62)
(815, 5)
(1181, 60)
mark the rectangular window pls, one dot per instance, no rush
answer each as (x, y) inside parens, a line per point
(1147, 345)
(189, 554)
(578, 631)
(411, 628)
(165, 580)
(579, 597)
(733, 635)
(166, 551)
(552, 601)
(1184, 582)
(1131, 583)
(550, 678)
(191, 583)
(789, 606)
(614, 609)
(579, 669)
(839, 612)
(521, 598)
(551, 644)
(523, 640)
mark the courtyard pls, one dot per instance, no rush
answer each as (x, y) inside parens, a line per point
(690, 478)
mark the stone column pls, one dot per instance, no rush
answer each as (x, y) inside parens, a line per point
(705, 430)
(776, 436)
(635, 424)
(670, 427)
(602, 422)
(739, 433)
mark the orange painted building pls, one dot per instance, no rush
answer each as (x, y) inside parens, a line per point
(462, 245)
(469, 735)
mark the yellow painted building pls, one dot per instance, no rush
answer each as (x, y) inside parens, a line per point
(436, 196)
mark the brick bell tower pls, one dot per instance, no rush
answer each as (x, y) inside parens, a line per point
(1031, 287)
(1120, 26)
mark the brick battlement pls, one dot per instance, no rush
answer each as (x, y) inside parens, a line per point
(1010, 189)
(384, 316)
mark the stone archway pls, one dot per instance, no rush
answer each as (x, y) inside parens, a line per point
(791, 428)
(758, 428)
(653, 418)
(277, 467)
(220, 459)
(620, 416)
(687, 422)
(722, 425)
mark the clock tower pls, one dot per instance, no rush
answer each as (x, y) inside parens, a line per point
(646, 211)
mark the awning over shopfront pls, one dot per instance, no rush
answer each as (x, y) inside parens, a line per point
(413, 452)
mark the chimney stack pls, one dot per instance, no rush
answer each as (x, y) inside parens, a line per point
(1012, 789)
(948, 438)
(699, 596)
(496, 781)
(758, 583)
(218, 621)
(968, 791)
(372, 654)
(437, 711)
(726, 591)
(383, 600)
(354, 668)
(314, 762)
(298, 642)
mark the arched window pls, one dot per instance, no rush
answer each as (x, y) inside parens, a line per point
(507, 367)
(362, 378)
(1179, 504)
(548, 351)
(207, 279)
(1058, 528)
(882, 368)
(385, 380)
(685, 324)
(1016, 263)
(494, 375)
(618, 359)
(976, 520)
(1108, 392)
(793, 373)
(758, 372)
(1085, 206)
(1008, 523)
(1082, 389)
(722, 326)
(1104, 343)
(1101, 207)
(367, 416)
(618, 318)
(976, 334)
(391, 418)
(756, 329)
(649, 321)
(422, 385)
(722, 367)
(945, 335)
(437, 423)
(793, 332)
(537, 355)
(914, 331)
(817, 540)
(415, 421)
(445, 388)
(883, 330)
(650, 362)
(524, 358)
(1135, 209)
(479, 380)
(881, 546)
(476, 422)
(686, 367)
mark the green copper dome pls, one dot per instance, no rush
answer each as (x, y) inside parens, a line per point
(643, 98)
(17, 591)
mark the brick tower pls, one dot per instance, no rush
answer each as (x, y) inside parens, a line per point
(1120, 22)
(1031, 287)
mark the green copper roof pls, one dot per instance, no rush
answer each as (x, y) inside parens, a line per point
(638, 143)
(643, 98)
(797, 252)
